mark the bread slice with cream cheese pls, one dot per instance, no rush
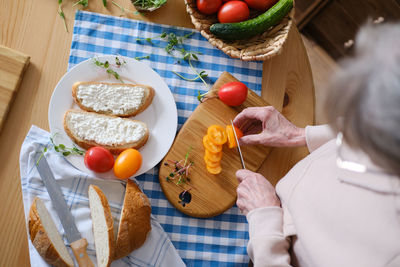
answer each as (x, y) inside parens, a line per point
(88, 129)
(119, 99)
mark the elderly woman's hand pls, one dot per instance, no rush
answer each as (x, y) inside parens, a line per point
(254, 191)
(266, 126)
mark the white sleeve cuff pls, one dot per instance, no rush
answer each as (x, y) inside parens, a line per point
(265, 221)
(316, 136)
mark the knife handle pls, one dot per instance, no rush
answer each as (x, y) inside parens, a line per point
(79, 248)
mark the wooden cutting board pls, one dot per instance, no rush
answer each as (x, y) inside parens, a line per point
(12, 67)
(211, 194)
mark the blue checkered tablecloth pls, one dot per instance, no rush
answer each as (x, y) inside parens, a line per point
(217, 241)
(221, 240)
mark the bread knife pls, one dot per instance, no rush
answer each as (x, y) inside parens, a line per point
(77, 243)
(238, 146)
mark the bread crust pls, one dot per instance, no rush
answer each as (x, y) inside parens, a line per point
(147, 100)
(109, 221)
(134, 224)
(41, 240)
(86, 144)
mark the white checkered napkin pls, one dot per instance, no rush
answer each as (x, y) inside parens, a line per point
(218, 241)
(156, 251)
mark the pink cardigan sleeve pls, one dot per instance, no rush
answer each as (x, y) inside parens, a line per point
(267, 245)
(316, 136)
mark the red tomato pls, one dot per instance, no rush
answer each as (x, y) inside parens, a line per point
(99, 159)
(233, 93)
(208, 6)
(233, 11)
(127, 163)
(261, 5)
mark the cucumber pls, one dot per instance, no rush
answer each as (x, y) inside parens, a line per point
(251, 27)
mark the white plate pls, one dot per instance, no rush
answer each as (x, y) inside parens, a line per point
(160, 117)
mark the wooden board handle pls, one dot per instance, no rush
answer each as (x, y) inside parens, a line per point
(79, 249)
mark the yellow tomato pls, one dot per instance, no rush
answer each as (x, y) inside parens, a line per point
(217, 134)
(127, 163)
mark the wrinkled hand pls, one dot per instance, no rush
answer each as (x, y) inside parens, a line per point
(266, 126)
(254, 191)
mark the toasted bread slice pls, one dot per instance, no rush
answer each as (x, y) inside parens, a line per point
(134, 224)
(103, 226)
(88, 129)
(119, 99)
(45, 237)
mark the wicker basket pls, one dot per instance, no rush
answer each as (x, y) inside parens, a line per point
(259, 47)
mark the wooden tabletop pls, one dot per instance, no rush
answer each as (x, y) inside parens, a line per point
(35, 29)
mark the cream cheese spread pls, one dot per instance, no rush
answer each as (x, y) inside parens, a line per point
(104, 130)
(116, 98)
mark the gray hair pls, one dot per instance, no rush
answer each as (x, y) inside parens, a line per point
(365, 94)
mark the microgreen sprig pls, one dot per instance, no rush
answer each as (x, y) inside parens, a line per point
(148, 4)
(176, 43)
(143, 57)
(62, 15)
(125, 10)
(61, 148)
(108, 67)
(180, 172)
(66, 151)
(83, 3)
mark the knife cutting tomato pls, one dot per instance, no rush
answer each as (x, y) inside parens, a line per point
(231, 136)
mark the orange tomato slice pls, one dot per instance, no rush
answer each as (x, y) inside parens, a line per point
(211, 163)
(213, 156)
(215, 170)
(217, 134)
(209, 145)
(231, 136)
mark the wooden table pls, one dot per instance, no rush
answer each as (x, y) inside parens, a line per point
(35, 28)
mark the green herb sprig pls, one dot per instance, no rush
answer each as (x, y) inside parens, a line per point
(148, 4)
(62, 15)
(83, 3)
(125, 10)
(143, 57)
(108, 67)
(61, 148)
(176, 43)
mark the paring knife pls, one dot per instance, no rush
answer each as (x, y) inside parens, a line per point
(78, 244)
(238, 146)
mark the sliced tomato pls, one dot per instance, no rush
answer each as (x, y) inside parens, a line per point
(231, 136)
(210, 145)
(217, 134)
(215, 170)
(213, 156)
(210, 163)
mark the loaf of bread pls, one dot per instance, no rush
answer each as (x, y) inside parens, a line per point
(88, 129)
(119, 99)
(45, 237)
(134, 224)
(103, 226)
